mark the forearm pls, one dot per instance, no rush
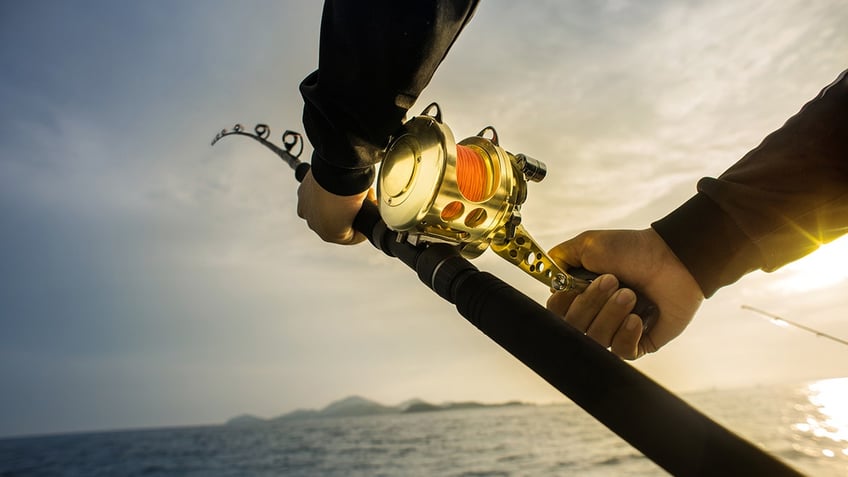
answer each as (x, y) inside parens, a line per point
(375, 58)
(777, 204)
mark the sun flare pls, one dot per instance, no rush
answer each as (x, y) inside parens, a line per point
(825, 267)
(830, 396)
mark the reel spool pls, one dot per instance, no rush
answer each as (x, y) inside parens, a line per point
(469, 194)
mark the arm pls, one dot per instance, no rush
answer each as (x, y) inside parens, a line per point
(778, 203)
(375, 58)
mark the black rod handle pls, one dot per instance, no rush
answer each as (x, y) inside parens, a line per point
(301, 170)
(670, 432)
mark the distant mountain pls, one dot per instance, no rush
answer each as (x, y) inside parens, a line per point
(356, 406)
(410, 402)
(359, 406)
(427, 407)
(349, 406)
(298, 414)
(245, 420)
(422, 407)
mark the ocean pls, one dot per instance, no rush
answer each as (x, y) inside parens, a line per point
(805, 425)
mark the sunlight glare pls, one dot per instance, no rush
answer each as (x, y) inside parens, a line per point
(823, 268)
(779, 322)
(830, 396)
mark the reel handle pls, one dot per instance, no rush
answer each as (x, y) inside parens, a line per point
(647, 310)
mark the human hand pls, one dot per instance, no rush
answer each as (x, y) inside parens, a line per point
(330, 215)
(641, 259)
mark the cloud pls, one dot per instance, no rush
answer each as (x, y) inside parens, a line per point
(159, 272)
(646, 96)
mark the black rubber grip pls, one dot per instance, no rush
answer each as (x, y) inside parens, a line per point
(645, 308)
(301, 170)
(367, 217)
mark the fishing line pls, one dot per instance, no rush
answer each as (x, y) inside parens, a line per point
(471, 173)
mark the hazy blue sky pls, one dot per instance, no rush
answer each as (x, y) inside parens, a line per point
(147, 279)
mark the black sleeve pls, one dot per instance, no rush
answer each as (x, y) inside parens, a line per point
(375, 58)
(778, 203)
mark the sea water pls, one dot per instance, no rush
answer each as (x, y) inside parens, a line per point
(804, 425)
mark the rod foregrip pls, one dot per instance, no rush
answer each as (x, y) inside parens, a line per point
(647, 310)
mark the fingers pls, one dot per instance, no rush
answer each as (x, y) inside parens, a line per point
(625, 343)
(588, 304)
(569, 253)
(560, 301)
(328, 215)
(612, 315)
(603, 312)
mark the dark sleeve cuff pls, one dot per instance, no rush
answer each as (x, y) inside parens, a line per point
(709, 243)
(341, 181)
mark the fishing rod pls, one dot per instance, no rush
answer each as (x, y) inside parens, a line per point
(666, 429)
(784, 322)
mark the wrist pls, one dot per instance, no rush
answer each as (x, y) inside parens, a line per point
(708, 243)
(671, 268)
(341, 181)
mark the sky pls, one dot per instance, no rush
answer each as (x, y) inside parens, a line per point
(148, 279)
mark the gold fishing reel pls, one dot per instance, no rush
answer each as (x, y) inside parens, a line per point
(469, 194)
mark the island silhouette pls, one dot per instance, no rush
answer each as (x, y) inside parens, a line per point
(359, 406)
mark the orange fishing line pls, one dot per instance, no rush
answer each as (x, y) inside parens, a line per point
(470, 173)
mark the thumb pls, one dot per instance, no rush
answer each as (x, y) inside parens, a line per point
(569, 253)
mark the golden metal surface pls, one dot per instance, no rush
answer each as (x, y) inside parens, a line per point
(412, 172)
(523, 252)
(418, 193)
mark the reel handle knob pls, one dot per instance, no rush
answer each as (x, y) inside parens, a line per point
(645, 308)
